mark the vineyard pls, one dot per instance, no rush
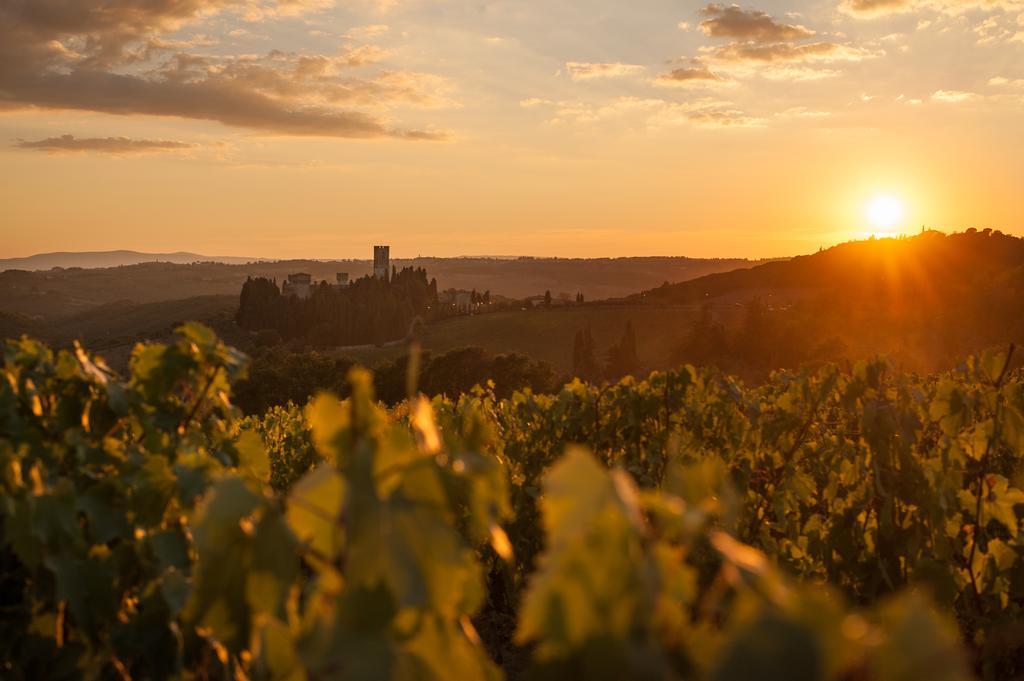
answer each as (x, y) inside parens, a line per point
(851, 523)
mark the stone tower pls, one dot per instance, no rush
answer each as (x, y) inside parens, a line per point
(381, 261)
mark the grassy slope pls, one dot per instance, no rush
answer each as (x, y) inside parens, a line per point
(114, 329)
(115, 322)
(547, 334)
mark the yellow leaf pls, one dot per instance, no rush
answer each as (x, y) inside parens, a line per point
(500, 542)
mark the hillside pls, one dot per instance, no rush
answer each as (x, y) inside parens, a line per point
(547, 335)
(113, 307)
(926, 301)
(62, 292)
(113, 329)
(917, 269)
(94, 259)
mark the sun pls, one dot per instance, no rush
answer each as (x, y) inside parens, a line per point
(884, 212)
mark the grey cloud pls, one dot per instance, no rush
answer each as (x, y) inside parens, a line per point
(105, 145)
(216, 99)
(106, 57)
(748, 24)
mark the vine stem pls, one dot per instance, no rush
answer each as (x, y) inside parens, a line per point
(199, 399)
(981, 473)
(597, 414)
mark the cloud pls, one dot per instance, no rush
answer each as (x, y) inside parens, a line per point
(367, 32)
(104, 145)
(727, 118)
(587, 71)
(113, 58)
(783, 61)
(952, 96)
(802, 112)
(695, 75)
(1002, 81)
(761, 45)
(869, 9)
(653, 113)
(872, 8)
(787, 52)
(749, 25)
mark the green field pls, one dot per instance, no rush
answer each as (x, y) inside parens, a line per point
(547, 334)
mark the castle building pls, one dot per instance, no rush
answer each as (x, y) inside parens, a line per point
(299, 285)
(381, 261)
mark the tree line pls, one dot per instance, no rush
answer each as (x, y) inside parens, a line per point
(369, 310)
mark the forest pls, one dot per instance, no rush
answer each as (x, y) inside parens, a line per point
(843, 522)
(369, 310)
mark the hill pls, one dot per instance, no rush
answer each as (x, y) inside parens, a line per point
(925, 300)
(110, 308)
(61, 292)
(904, 270)
(113, 329)
(94, 259)
(547, 334)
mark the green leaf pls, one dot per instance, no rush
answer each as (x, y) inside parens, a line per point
(274, 565)
(591, 581)
(252, 456)
(275, 651)
(1002, 500)
(219, 599)
(314, 510)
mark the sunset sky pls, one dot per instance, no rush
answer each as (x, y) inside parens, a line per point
(314, 128)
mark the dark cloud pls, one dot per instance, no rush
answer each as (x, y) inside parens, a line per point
(107, 57)
(749, 25)
(105, 145)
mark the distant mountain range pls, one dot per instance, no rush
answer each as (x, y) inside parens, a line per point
(94, 259)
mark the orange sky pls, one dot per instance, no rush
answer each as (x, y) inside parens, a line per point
(305, 128)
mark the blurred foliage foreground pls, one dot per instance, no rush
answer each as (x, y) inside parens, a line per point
(857, 524)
